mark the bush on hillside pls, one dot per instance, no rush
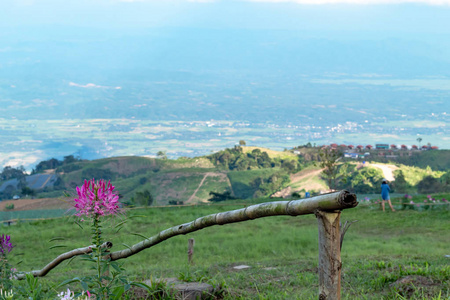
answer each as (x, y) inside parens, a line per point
(365, 180)
(218, 197)
(430, 184)
(235, 159)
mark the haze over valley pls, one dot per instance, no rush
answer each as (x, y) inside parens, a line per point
(274, 75)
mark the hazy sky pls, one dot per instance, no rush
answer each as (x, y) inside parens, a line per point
(427, 16)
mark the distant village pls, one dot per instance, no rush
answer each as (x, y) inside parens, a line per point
(383, 150)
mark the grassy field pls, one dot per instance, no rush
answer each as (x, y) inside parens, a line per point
(282, 252)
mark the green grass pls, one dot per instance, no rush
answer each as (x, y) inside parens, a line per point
(32, 214)
(281, 251)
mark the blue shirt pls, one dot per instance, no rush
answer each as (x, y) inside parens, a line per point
(385, 191)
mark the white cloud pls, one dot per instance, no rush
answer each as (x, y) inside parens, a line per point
(93, 85)
(89, 85)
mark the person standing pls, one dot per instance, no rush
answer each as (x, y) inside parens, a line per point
(385, 195)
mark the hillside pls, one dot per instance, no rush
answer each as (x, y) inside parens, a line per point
(242, 172)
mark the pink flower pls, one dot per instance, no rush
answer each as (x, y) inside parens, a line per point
(428, 196)
(96, 198)
(425, 201)
(411, 202)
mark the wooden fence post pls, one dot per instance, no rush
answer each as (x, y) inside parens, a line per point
(329, 255)
(191, 244)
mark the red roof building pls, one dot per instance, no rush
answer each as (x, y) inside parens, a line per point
(414, 147)
(360, 147)
(350, 146)
(404, 147)
(369, 147)
(434, 147)
(393, 146)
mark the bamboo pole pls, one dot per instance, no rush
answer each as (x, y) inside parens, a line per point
(326, 202)
(54, 263)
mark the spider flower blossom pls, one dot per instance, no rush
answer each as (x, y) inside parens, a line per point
(96, 198)
(5, 244)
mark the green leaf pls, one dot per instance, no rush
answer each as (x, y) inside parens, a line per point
(136, 216)
(84, 285)
(141, 285)
(58, 238)
(120, 224)
(70, 260)
(118, 292)
(57, 246)
(116, 267)
(126, 246)
(140, 235)
(68, 281)
(104, 268)
(79, 225)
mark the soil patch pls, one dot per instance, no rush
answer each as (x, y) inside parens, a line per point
(33, 204)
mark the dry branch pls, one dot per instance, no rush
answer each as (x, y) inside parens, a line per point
(326, 202)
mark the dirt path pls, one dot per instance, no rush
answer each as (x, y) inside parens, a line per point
(191, 198)
(387, 170)
(304, 174)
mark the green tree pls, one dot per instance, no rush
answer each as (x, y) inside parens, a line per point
(419, 139)
(429, 185)
(26, 191)
(11, 173)
(69, 159)
(218, 197)
(161, 154)
(400, 184)
(329, 163)
(52, 163)
(445, 182)
(144, 198)
(242, 143)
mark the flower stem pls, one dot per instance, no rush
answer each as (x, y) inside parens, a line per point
(97, 239)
